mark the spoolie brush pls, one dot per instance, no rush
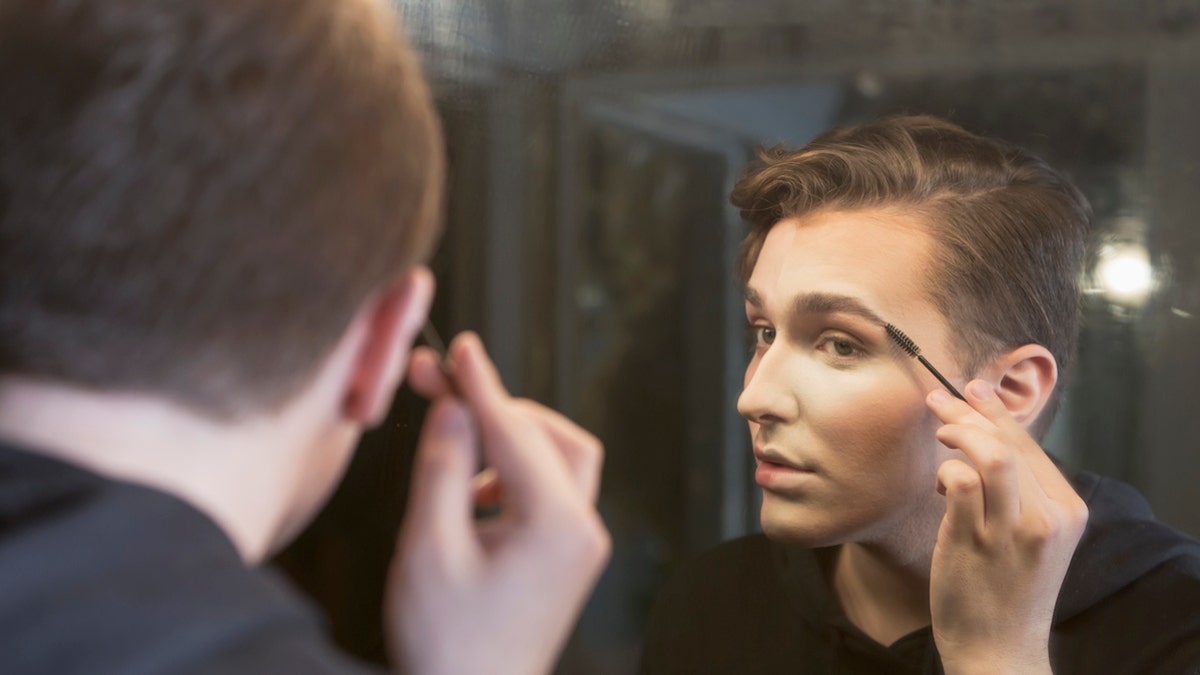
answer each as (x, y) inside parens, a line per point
(485, 484)
(906, 343)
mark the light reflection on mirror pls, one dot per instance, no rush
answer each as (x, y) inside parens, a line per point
(1124, 274)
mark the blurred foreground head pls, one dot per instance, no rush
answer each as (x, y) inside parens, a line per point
(196, 196)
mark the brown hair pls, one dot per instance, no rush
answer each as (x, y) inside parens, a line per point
(195, 197)
(1010, 232)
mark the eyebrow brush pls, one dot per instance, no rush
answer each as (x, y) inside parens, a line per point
(906, 343)
(430, 334)
(486, 483)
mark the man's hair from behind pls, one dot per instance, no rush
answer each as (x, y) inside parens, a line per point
(1009, 232)
(197, 196)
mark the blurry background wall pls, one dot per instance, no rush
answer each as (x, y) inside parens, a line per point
(593, 144)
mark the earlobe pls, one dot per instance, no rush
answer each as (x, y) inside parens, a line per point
(392, 318)
(1024, 380)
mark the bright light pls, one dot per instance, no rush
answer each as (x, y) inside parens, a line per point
(1124, 274)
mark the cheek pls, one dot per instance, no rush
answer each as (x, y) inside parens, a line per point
(874, 417)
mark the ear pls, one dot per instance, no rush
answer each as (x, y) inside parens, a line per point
(1024, 378)
(392, 319)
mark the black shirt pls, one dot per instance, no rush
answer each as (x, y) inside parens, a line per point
(100, 576)
(1130, 603)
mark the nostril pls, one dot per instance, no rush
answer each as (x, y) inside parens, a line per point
(767, 418)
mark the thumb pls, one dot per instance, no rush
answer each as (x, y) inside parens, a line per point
(440, 498)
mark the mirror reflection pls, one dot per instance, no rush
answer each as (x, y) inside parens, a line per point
(593, 147)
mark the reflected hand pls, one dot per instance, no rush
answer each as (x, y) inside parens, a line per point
(1011, 527)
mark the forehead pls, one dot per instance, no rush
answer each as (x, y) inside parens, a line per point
(882, 258)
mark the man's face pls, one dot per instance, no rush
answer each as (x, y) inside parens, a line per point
(843, 441)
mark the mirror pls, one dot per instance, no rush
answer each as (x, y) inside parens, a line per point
(593, 145)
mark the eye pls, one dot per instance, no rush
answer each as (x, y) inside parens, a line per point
(763, 336)
(843, 347)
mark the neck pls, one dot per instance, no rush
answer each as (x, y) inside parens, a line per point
(240, 475)
(885, 595)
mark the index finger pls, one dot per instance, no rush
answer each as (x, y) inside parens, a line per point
(522, 452)
(583, 452)
(984, 403)
(426, 375)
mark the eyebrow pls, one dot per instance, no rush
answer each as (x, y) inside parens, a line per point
(822, 303)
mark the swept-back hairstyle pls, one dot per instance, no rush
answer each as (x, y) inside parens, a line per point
(1009, 232)
(195, 197)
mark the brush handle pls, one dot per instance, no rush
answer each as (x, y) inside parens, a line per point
(944, 381)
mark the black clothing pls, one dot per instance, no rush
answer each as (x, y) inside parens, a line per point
(100, 576)
(1130, 603)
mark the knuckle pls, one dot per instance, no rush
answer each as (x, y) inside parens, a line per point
(1079, 511)
(964, 434)
(996, 461)
(436, 461)
(592, 448)
(1076, 515)
(589, 539)
(962, 482)
(585, 447)
(600, 541)
(948, 433)
(1040, 530)
(527, 404)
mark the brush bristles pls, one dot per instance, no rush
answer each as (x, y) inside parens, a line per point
(903, 340)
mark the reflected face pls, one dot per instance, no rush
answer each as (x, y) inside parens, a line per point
(843, 441)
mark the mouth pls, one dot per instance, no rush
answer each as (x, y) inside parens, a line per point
(775, 472)
(770, 456)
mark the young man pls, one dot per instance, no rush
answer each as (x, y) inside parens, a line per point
(213, 218)
(907, 531)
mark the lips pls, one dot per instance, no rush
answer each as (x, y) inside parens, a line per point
(778, 474)
(771, 457)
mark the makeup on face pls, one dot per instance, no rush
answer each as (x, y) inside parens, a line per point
(844, 443)
(837, 313)
(832, 304)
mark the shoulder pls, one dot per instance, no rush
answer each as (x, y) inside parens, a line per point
(99, 576)
(1129, 602)
(1150, 624)
(1123, 539)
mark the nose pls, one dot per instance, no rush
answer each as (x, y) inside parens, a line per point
(767, 396)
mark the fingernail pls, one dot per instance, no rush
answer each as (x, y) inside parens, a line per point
(980, 390)
(939, 397)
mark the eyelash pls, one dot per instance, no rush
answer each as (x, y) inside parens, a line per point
(753, 332)
(752, 335)
(833, 340)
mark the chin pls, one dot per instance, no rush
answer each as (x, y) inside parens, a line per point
(797, 526)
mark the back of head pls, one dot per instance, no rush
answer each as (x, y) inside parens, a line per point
(195, 197)
(1009, 232)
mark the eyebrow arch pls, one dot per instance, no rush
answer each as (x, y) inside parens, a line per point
(822, 303)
